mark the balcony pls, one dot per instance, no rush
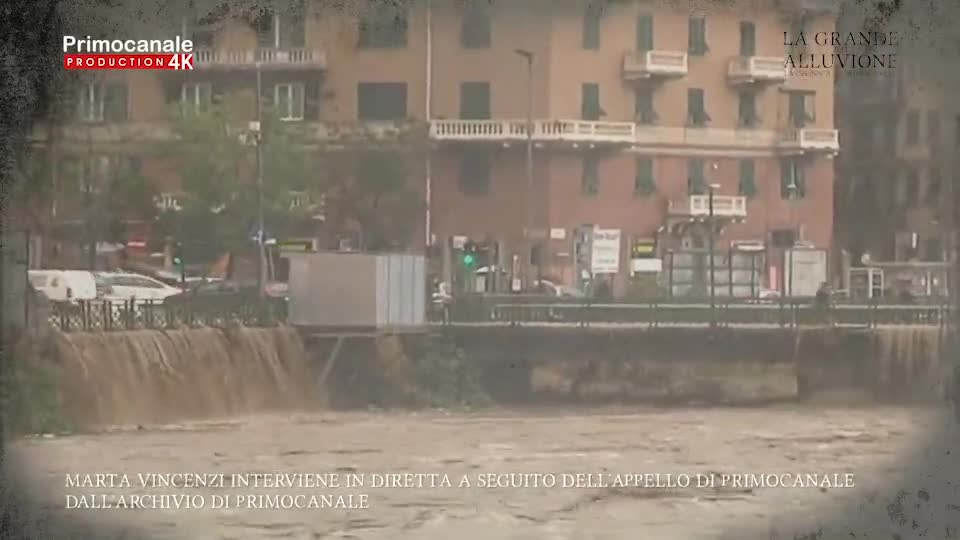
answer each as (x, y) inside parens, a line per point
(712, 138)
(641, 65)
(288, 58)
(811, 139)
(824, 7)
(575, 131)
(753, 69)
(168, 202)
(120, 134)
(698, 207)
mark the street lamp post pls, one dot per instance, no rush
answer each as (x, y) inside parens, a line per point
(528, 236)
(261, 270)
(710, 243)
(792, 194)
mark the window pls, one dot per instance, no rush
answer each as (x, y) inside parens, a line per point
(797, 28)
(913, 127)
(643, 110)
(801, 107)
(281, 29)
(591, 27)
(475, 27)
(196, 97)
(475, 172)
(911, 189)
(289, 100)
(748, 185)
(644, 183)
(475, 100)
(696, 184)
(590, 181)
(934, 249)
(103, 102)
(697, 37)
(645, 32)
(383, 26)
(590, 101)
(933, 127)
(696, 110)
(956, 130)
(748, 109)
(934, 186)
(748, 39)
(792, 183)
(382, 101)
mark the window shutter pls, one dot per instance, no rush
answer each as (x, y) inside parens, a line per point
(645, 32)
(311, 100)
(115, 102)
(748, 186)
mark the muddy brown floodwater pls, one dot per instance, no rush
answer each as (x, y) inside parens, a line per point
(870, 443)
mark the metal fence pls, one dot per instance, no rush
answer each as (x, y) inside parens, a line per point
(788, 313)
(111, 315)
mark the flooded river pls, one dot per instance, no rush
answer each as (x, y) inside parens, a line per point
(612, 445)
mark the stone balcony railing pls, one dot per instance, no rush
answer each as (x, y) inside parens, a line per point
(750, 69)
(543, 131)
(467, 131)
(646, 64)
(724, 206)
(268, 58)
(811, 139)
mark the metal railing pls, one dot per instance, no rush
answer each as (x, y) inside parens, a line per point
(112, 315)
(790, 313)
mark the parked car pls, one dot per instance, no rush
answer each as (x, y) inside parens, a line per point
(64, 285)
(124, 286)
(215, 289)
(550, 288)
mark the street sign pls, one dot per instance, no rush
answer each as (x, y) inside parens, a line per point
(605, 256)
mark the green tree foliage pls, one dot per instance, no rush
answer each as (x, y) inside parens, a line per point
(350, 187)
(214, 154)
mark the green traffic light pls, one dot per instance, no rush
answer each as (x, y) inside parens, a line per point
(177, 261)
(469, 259)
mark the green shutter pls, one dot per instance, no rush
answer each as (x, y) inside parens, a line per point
(645, 32)
(791, 172)
(697, 36)
(696, 111)
(695, 181)
(475, 100)
(748, 39)
(590, 101)
(748, 186)
(591, 28)
(644, 184)
(115, 102)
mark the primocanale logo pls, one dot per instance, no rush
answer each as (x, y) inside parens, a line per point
(88, 53)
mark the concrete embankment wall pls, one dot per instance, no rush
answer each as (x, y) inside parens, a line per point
(152, 376)
(660, 365)
(906, 364)
(160, 376)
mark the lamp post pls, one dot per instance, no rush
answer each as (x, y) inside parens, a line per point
(710, 241)
(792, 195)
(528, 235)
(261, 267)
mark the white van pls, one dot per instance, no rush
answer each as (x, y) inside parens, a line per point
(64, 285)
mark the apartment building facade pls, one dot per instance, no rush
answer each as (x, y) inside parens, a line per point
(636, 110)
(897, 201)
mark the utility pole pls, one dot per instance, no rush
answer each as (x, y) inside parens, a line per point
(262, 266)
(710, 246)
(529, 244)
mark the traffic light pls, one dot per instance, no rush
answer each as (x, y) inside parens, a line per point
(178, 262)
(470, 255)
